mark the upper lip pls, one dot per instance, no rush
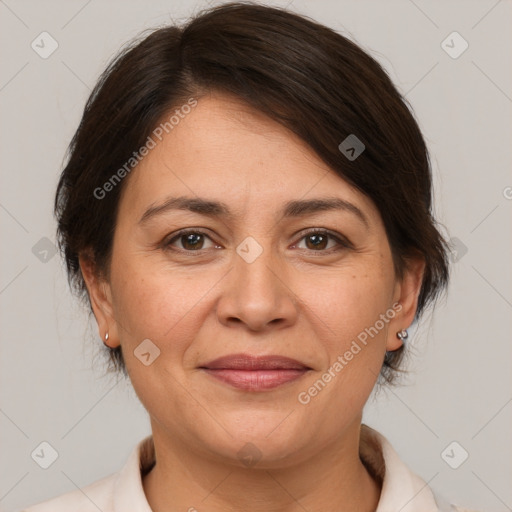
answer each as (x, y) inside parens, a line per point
(250, 362)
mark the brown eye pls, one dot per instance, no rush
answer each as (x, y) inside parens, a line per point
(189, 241)
(323, 241)
(316, 241)
(192, 241)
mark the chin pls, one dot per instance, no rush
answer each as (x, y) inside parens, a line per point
(257, 440)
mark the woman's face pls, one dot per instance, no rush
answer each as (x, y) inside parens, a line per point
(251, 279)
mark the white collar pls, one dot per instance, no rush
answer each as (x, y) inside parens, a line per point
(402, 489)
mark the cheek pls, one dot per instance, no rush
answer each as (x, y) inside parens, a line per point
(344, 313)
(167, 311)
(167, 306)
(348, 303)
(351, 316)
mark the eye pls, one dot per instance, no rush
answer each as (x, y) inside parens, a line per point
(318, 240)
(190, 240)
(195, 240)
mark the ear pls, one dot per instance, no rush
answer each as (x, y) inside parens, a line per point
(100, 297)
(406, 293)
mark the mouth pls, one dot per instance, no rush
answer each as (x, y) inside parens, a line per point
(255, 373)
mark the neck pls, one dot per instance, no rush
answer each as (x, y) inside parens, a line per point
(333, 480)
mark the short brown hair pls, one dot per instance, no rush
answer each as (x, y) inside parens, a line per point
(310, 79)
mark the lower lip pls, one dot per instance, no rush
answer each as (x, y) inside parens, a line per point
(255, 380)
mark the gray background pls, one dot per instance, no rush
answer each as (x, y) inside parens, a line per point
(51, 377)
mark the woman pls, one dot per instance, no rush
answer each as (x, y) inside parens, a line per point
(247, 208)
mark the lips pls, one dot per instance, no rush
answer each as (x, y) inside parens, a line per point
(248, 362)
(255, 373)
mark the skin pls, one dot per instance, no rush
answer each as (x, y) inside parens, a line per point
(295, 300)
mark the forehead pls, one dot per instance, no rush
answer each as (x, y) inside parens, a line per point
(226, 151)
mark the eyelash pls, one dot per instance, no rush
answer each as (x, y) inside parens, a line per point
(343, 244)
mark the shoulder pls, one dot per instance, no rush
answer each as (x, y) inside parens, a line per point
(399, 484)
(93, 497)
(122, 490)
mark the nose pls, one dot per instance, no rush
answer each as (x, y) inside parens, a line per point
(257, 294)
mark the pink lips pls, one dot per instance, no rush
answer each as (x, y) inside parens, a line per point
(255, 373)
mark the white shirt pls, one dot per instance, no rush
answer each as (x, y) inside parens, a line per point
(402, 490)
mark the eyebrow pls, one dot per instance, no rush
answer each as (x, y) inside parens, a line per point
(295, 208)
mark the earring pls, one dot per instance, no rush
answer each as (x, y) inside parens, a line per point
(402, 335)
(106, 336)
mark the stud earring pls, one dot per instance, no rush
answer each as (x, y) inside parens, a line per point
(106, 336)
(402, 335)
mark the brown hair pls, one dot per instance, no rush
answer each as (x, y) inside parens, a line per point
(307, 77)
